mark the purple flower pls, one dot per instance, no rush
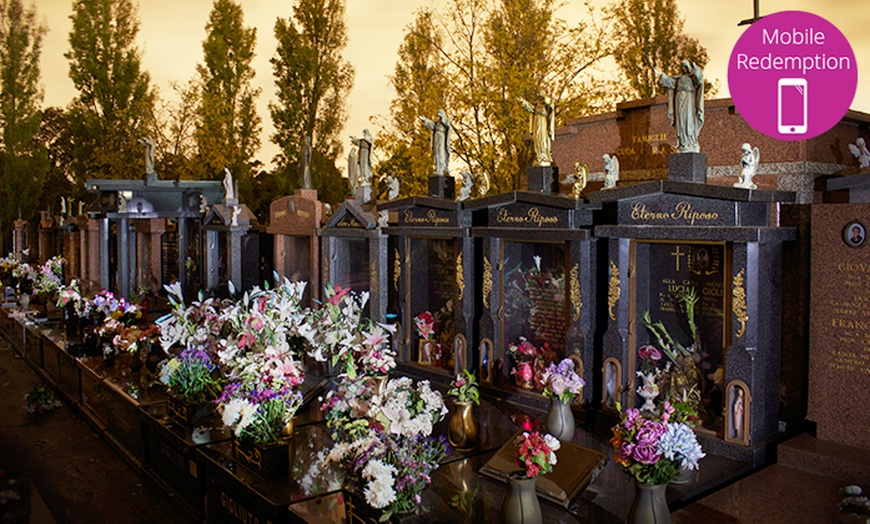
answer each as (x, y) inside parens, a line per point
(646, 454)
(626, 449)
(631, 417)
(650, 433)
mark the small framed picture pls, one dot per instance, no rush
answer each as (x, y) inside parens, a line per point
(426, 351)
(855, 234)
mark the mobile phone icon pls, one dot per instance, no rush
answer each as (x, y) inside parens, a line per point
(791, 106)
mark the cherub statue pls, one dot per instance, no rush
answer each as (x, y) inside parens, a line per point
(859, 149)
(383, 219)
(467, 184)
(392, 187)
(748, 164)
(611, 171)
(579, 179)
(234, 221)
(483, 188)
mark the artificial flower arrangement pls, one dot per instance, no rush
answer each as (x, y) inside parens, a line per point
(464, 388)
(562, 381)
(426, 325)
(70, 295)
(192, 376)
(384, 441)
(40, 399)
(344, 338)
(48, 279)
(197, 324)
(524, 354)
(536, 453)
(653, 447)
(24, 274)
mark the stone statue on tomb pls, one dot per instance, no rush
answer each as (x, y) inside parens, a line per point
(579, 179)
(122, 203)
(685, 104)
(383, 219)
(353, 167)
(440, 141)
(467, 184)
(611, 171)
(203, 204)
(306, 164)
(748, 166)
(392, 187)
(148, 142)
(62, 206)
(737, 414)
(81, 208)
(484, 186)
(364, 145)
(859, 149)
(542, 127)
(229, 188)
(234, 221)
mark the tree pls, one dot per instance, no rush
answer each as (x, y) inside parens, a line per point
(312, 82)
(115, 105)
(228, 127)
(421, 90)
(648, 34)
(178, 151)
(23, 160)
(494, 51)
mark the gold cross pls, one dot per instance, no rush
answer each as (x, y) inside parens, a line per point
(677, 254)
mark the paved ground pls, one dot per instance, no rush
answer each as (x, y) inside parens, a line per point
(77, 475)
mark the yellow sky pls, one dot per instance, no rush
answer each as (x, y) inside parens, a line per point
(172, 31)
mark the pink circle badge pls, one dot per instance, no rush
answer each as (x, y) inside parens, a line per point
(792, 75)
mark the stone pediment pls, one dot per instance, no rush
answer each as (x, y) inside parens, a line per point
(222, 215)
(689, 204)
(351, 214)
(295, 214)
(531, 210)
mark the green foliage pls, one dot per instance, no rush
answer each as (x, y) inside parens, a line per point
(227, 125)
(648, 34)
(115, 105)
(23, 159)
(487, 53)
(465, 388)
(312, 83)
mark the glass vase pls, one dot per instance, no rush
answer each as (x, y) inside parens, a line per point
(521, 504)
(560, 419)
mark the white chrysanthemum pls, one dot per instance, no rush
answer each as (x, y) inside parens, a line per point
(247, 412)
(552, 442)
(232, 412)
(679, 443)
(338, 452)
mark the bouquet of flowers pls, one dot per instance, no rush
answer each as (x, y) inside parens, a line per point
(25, 275)
(426, 325)
(40, 399)
(653, 447)
(197, 324)
(192, 375)
(341, 335)
(48, 278)
(388, 452)
(464, 388)
(562, 381)
(524, 354)
(70, 295)
(537, 454)
(259, 412)
(105, 305)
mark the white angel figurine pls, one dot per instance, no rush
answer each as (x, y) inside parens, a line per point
(859, 149)
(749, 164)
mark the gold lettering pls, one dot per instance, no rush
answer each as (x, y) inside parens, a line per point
(532, 216)
(853, 267)
(281, 213)
(430, 218)
(682, 211)
(302, 213)
(625, 151)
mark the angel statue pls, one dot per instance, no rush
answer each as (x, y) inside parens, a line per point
(685, 104)
(579, 179)
(859, 149)
(748, 164)
(440, 141)
(542, 126)
(611, 171)
(392, 187)
(483, 188)
(229, 186)
(467, 184)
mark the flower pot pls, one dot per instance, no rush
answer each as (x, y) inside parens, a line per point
(560, 419)
(71, 323)
(24, 301)
(188, 414)
(154, 356)
(684, 477)
(136, 362)
(109, 355)
(462, 428)
(266, 461)
(521, 504)
(650, 505)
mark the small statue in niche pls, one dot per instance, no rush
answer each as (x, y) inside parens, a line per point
(748, 165)
(859, 149)
(467, 184)
(611, 171)
(579, 179)
(737, 408)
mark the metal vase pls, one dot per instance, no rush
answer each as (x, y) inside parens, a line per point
(650, 505)
(560, 419)
(521, 504)
(462, 429)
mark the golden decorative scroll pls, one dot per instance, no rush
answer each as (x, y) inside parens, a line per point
(575, 292)
(397, 269)
(487, 281)
(738, 301)
(253, 457)
(614, 291)
(460, 277)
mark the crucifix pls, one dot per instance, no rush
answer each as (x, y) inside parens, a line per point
(677, 254)
(755, 14)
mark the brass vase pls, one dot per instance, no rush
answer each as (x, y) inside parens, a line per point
(650, 505)
(462, 429)
(378, 384)
(521, 504)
